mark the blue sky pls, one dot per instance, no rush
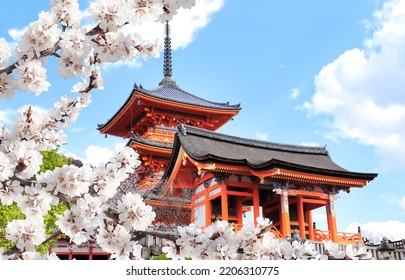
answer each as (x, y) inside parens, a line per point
(305, 72)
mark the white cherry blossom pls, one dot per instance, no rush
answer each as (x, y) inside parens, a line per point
(92, 210)
(5, 167)
(27, 233)
(35, 202)
(219, 241)
(39, 256)
(144, 10)
(115, 239)
(106, 181)
(134, 213)
(75, 45)
(39, 36)
(7, 85)
(10, 192)
(24, 158)
(32, 77)
(136, 251)
(73, 225)
(5, 52)
(110, 15)
(358, 253)
(69, 180)
(334, 249)
(67, 12)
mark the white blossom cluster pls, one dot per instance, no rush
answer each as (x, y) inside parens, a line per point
(99, 210)
(59, 33)
(219, 241)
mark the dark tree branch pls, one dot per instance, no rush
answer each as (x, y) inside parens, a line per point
(167, 236)
(15, 250)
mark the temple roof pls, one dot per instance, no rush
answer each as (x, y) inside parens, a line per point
(171, 92)
(138, 139)
(169, 98)
(211, 147)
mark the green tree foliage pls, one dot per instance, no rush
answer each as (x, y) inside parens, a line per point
(50, 160)
(7, 214)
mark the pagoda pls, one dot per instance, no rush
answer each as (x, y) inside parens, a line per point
(193, 174)
(148, 119)
(206, 175)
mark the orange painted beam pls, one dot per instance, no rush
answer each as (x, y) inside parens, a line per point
(210, 189)
(224, 202)
(315, 201)
(192, 219)
(167, 204)
(175, 170)
(241, 184)
(310, 225)
(332, 225)
(202, 180)
(239, 210)
(301, 220)
(256, 209)
(208, 208)
(244, 194)
(320, 178)
(285, 214)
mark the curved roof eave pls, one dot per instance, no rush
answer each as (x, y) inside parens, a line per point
(136, 138)
(207, 146)
(171, 93)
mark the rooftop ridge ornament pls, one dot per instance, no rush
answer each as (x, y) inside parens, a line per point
(167, 64)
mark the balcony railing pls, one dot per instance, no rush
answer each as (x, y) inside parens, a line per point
(343, 237)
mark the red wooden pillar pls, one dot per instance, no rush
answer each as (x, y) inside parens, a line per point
(285, 214)
(310, 225)
(239, 211)
(91, 253)
(192, 218)
(224, 201)
(330, 212)
(301, 219)
(256, 206)
(208, 208)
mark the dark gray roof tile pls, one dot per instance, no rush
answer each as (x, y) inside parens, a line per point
(135, 137)
(207, 146)
(171, 92)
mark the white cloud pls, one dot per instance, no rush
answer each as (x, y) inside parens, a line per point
(261, 135)
(375, 231)
(402, 203)
(6, 116)
(183, 27)
(295, 93)
(77, 129)
(94, 155)
(394, 199)
(318, 217)
(310, 144)
(16, 34)
(363, 89)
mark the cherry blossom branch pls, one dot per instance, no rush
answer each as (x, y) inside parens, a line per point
(167, 236)
(14, 250)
